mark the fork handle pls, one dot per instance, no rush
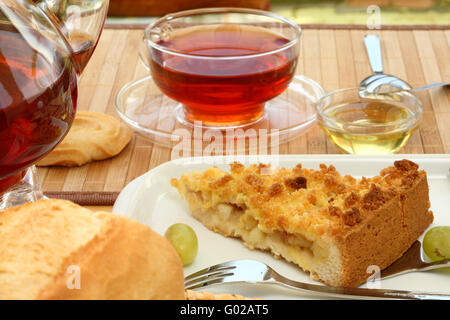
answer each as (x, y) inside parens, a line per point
(347, 292)
(373, 47)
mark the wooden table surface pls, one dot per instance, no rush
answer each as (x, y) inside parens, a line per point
(334, 57)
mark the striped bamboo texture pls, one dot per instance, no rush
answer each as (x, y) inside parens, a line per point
(334, 57)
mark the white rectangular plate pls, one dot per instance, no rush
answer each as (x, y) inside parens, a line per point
(151, 200)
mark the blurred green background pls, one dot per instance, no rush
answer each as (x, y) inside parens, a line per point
(391, 12)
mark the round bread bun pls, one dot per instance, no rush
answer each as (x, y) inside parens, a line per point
(55, 249)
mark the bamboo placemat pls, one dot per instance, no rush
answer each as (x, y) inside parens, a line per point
(334, 57)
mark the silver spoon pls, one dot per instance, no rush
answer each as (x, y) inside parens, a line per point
(379, 82)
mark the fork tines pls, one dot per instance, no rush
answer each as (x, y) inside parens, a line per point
(208, 276)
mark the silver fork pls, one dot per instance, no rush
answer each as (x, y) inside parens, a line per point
(252, 271)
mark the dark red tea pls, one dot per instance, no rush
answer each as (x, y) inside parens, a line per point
(38, 96)
(227, 90)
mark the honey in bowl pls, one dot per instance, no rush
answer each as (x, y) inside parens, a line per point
(369, 126)
(231, 70)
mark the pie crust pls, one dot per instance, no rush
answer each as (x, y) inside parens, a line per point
(333, 226)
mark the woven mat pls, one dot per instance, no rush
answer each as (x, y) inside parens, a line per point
(334, 56)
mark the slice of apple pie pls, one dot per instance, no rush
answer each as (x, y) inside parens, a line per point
(331, 225)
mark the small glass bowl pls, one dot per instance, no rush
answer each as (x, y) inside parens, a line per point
(379, 125)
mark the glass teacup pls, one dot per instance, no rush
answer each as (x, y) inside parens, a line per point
(222, 64)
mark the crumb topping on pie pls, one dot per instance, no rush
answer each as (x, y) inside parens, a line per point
(331, 225)
(296, 199)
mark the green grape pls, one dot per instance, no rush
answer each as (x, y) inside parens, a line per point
(184, 240)
(436, 243)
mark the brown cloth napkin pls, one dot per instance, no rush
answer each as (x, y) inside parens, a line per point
(85, 198)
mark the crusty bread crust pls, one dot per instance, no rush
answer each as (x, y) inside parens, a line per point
(204, 295)
(114, 256)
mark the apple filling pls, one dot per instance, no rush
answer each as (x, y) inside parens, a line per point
(234, 220)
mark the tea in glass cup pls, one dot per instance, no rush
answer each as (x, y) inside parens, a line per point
(222, 64)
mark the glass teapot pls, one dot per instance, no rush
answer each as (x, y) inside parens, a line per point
(44, 45)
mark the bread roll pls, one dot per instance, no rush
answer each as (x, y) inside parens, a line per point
(204, 295)
(55, 249)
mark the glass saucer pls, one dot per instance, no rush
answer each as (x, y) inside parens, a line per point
(157, 117)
